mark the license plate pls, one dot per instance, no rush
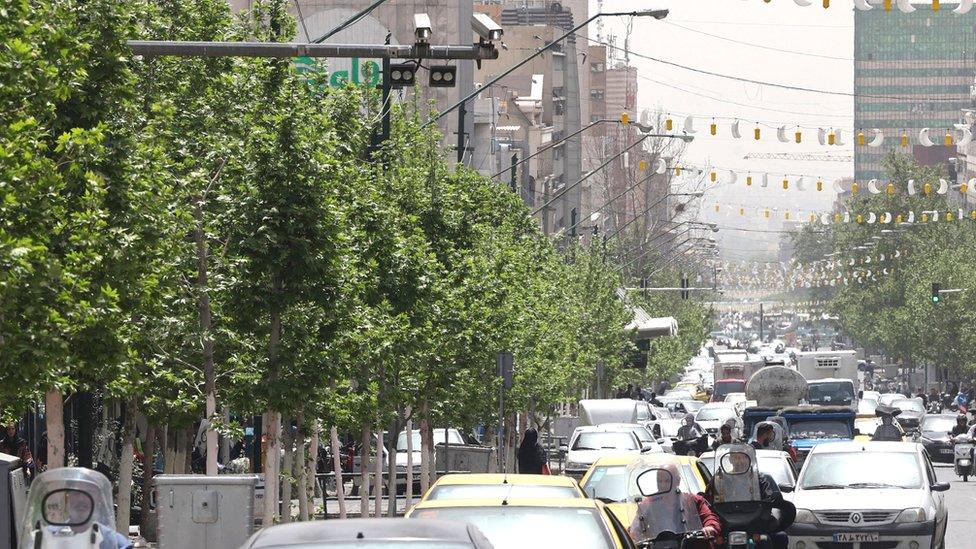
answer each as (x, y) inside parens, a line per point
(857, 537)
(946, 450)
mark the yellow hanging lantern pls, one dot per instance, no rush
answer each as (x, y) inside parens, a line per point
(813, 217)
(861, 140)
(925, 218)
(826, 4)
(714, 128)
(860, 219)
(935, 5)
(742, 211)
(757, 133)
(642, 164)
(799, 136)
(949, 216)
(972, 215)
(766, 214)
(625, 118)
(786, 184)
(837, 218)
(713, 176)
(669, 124)
(887, 5)
(963, 188)
(948, 138)
(819, 185)
(904, 139)
(855, 187)
(717, 208)
(749, 181)
(831, 138)
(898, 219)
(677, 170)
(891, 189)
(927, 189)
(786, 216)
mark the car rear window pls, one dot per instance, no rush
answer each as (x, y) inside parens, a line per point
(512, 526)
(500, 491)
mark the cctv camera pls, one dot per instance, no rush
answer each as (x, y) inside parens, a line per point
(489, 30)
(422, 28)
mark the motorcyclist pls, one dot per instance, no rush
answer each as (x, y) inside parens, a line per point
(711, 524)
(725, 436)
(961, 427)
(962, 400)
(887, 431)
(769, 492)
(689, 430)
(765, 433)
(690, 437)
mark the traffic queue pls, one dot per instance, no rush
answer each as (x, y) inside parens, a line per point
(739, 452)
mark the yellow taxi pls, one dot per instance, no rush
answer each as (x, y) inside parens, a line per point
(519, 523)
(606, 480)
(501, 485)
(695, 389)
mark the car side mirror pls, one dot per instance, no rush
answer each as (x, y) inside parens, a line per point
(563, 448)
(940, 487)
(786, 488)
(661, 440)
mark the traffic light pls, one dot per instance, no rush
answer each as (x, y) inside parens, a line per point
(402, 75)
(936, 292)
(684, 285)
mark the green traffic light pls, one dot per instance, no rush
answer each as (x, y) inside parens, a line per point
(935, 299)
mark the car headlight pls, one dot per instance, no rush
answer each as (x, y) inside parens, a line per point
(805, 516)
(913, 514)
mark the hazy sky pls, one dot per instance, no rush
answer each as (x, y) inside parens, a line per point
(826, 39)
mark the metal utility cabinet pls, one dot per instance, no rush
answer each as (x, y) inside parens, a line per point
(205, 512)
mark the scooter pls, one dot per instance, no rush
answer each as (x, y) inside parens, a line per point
(963, 460)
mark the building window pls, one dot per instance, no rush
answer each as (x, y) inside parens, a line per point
(597, 94)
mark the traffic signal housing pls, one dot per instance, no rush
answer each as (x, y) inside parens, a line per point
(936, 292)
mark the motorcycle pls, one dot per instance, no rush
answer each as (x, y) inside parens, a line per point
(671, 540)
(667, 516)
(934, 407)
(691, 447)
(963, 457)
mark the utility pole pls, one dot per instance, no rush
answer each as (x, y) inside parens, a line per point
(514, 172)
(462, 111)
(760, 322)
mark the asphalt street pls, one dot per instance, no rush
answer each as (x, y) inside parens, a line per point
(961, 499)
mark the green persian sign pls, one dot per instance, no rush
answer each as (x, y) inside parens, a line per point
(362, 73)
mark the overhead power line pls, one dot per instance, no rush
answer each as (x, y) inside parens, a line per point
(760, 46)
(765, 83)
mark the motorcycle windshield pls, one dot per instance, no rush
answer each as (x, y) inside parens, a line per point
(67, 500)
(662, 506)
(736, 476)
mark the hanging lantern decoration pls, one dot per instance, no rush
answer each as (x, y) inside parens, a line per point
(813, 218)
(948, 138)
(948, 216)
(713, 128)
(860, 219)
(878, 139)
(905, 6)
(964, 7)
(736, 134)
(748, 180)
(642, 165)
(873, 187)
(677, 171)
(757, 133)
(904, 139)
(972, 215)
(742, 211)
(927, 189)
(838, 218)
(690, 125)
(822, 136)
(798, 136)
(887, 5)
(819, 185)
(855, 188)
(898, 219)
(786, 216)
(936, 5)
(786, 184)
(925, 217)
(713, 177)
(669, 124)
(766, 214)
(923, 138)
(861, 139)
(963, 188)
(831, 138)
(890, 189)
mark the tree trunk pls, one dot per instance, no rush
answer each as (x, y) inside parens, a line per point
(378, 472)
(169, 455)
(272, 467)
(124, 499)
(309, 472)
(409, 429)
(392, 477)
(189, 437)
(225, 441)
(337, 468)
(148, 466)
(287, 470)
(364, 474)
(203, 306)
(424, 448)
(300, 463)
(54, 420)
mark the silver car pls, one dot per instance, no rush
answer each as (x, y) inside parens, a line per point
(877, 494)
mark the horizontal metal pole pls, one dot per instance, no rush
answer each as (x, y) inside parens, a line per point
(671, 289)
(292, 49)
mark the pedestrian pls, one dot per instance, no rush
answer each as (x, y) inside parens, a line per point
(638, 393)
(532, 459)
(14, 445)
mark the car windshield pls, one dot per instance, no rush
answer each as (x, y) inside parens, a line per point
(609, 482)
(831, 392)
(867, 406)
(862, 470)
(669, 429)
(511, 526)
(616, 440)
(800, 430)
(454, 437)
(906, 404)
(938, 424)
(723, 388)
(500, 491)
(710, 413)
(778, 468)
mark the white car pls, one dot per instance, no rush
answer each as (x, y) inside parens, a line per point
(712, 415)
(774, 463)
(593, 442)
(647, 441)
(854, 494)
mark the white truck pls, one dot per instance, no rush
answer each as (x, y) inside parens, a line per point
(832, 376)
